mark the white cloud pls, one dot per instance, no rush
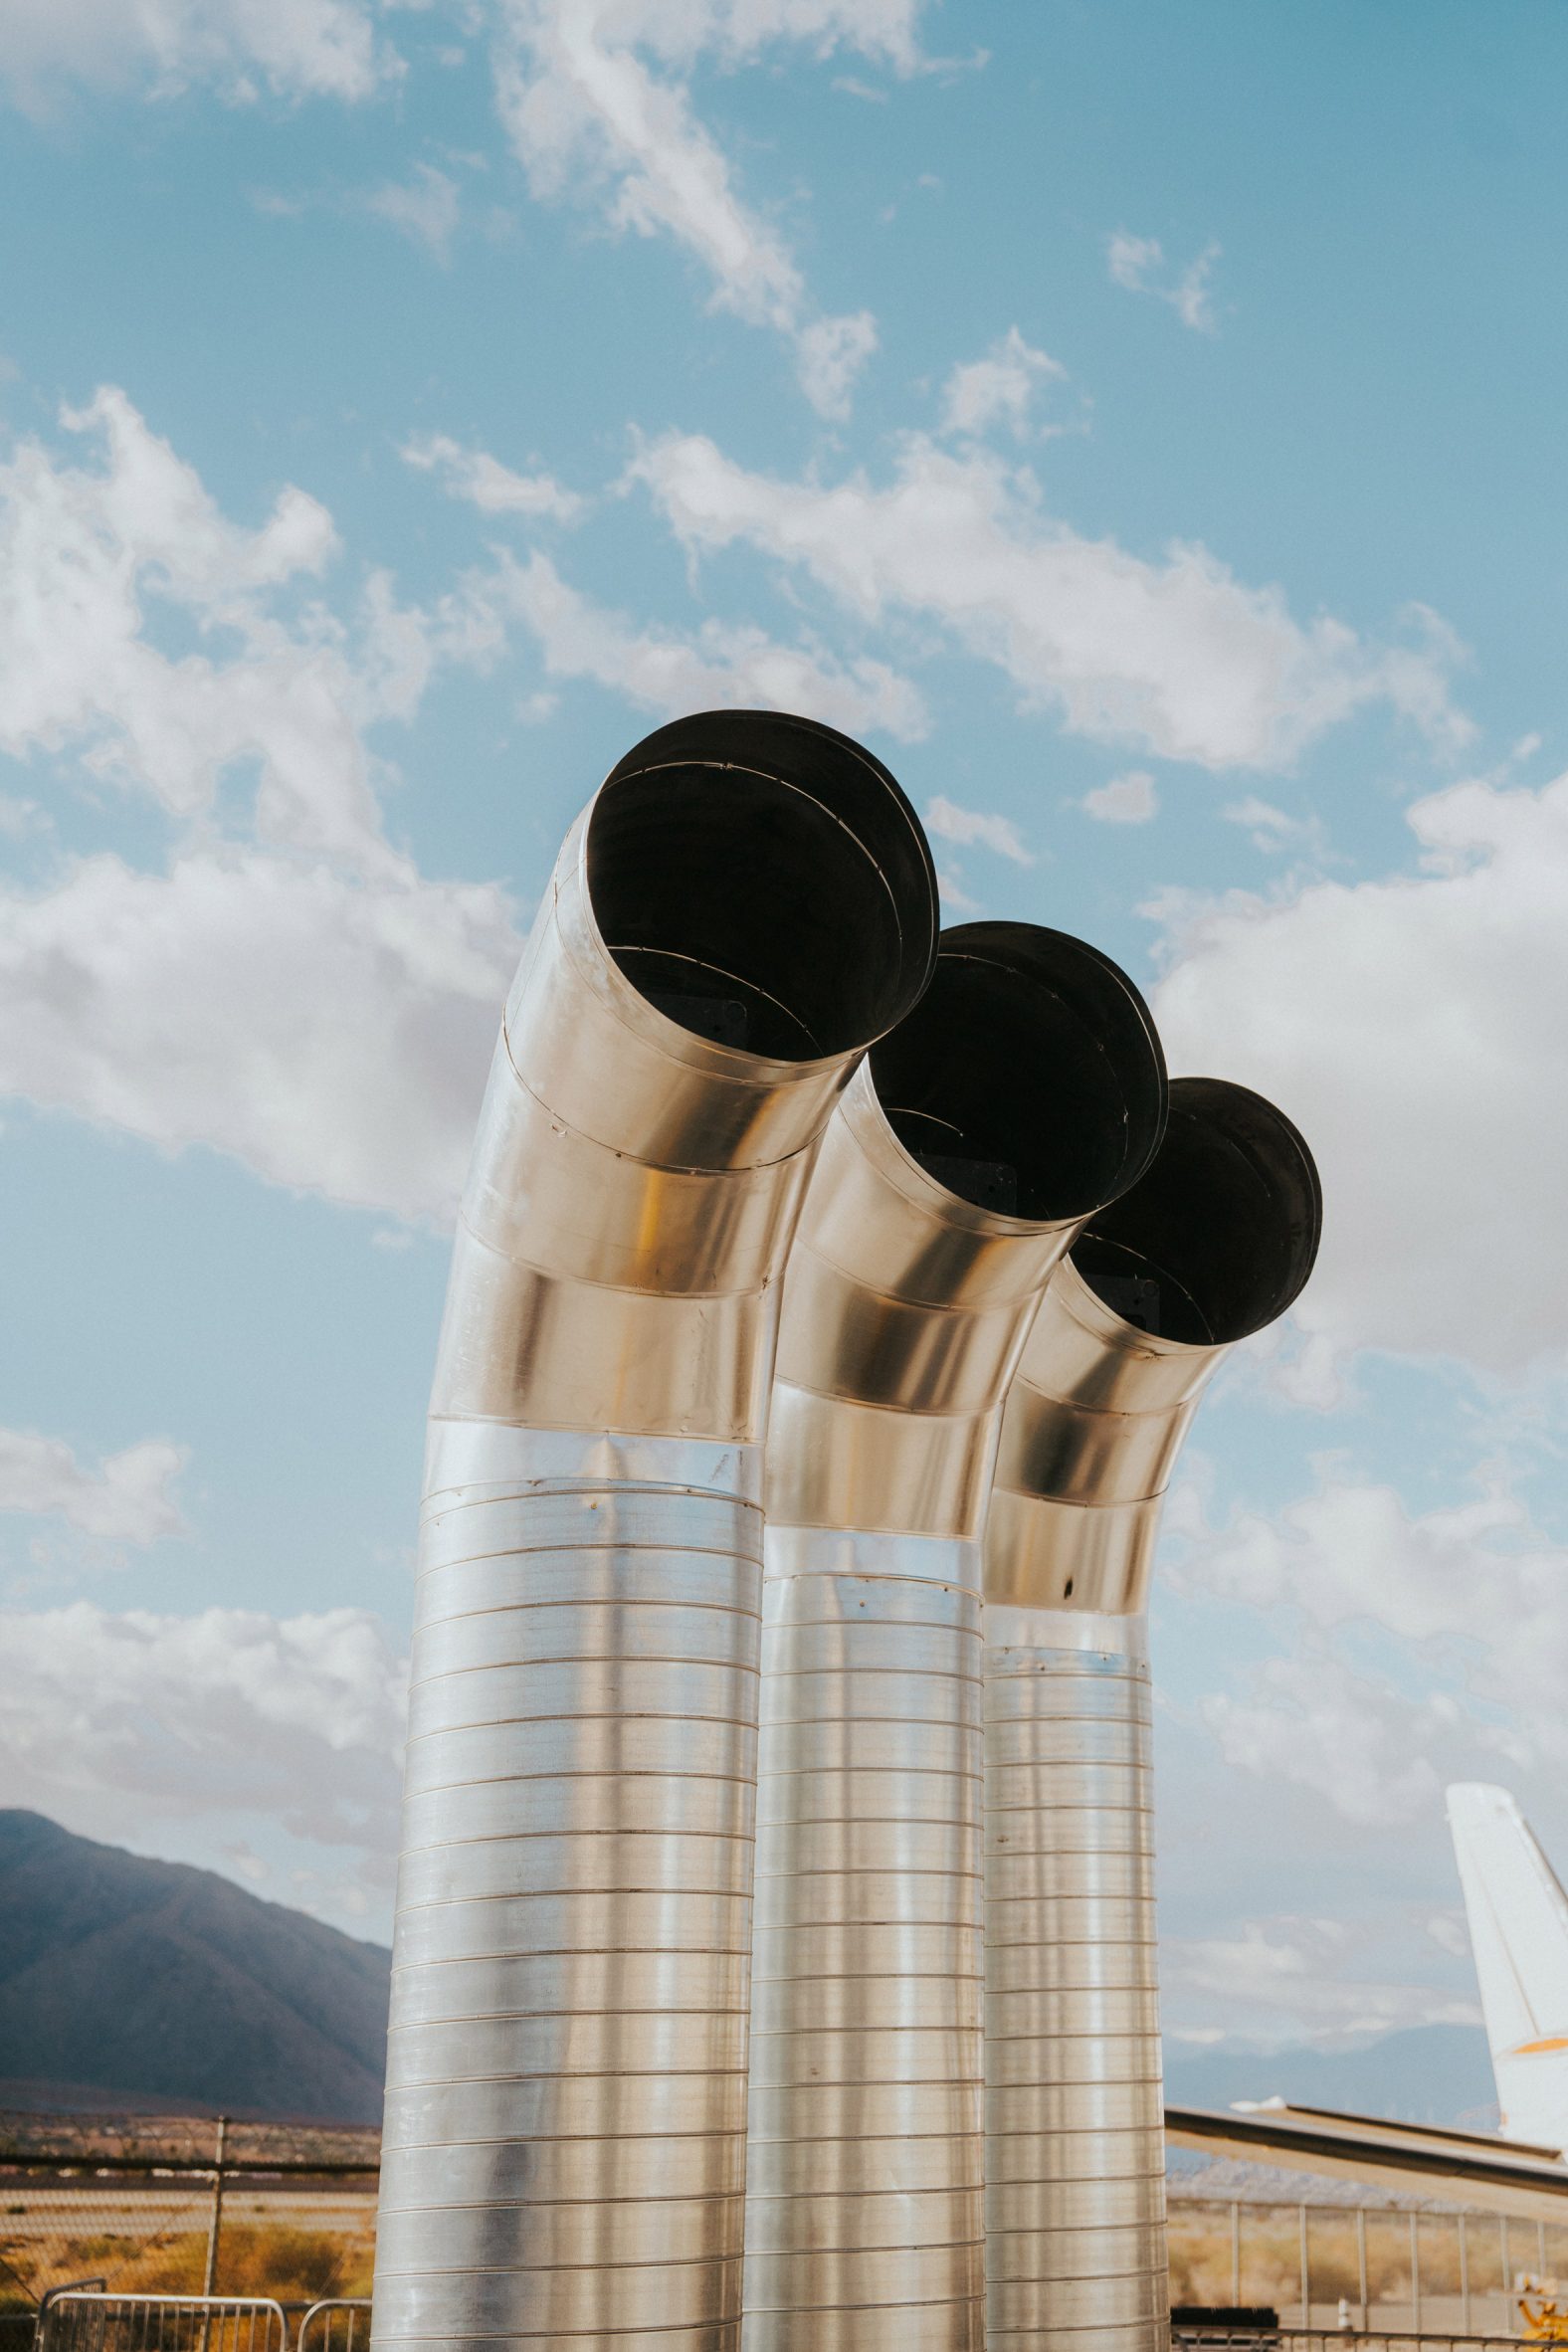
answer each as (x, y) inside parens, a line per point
(1274, 830)
(304, 999)
(424, 208)
(830, 354)
(295, 48)
(128, 1498)
(1412, 1027)
(1001, 387)
(719, 663)
(1177, 655)
(1472, 1594)
(1124, 800)
(1314, 1723)
(595, 96)
(127, 1725)
(485, 482)
(332, 1034)
(1135, 262)
(966, 827)
(1299, 1973)
(86, 550)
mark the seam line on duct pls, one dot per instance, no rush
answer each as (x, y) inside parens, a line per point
(554, 1278)
(520, 2016)
(455, 1902)
(584, 2139)
(959, 2296)
(599, 1658)
(598, 1715)
(633, 1602)
(506, 1780)
(573, 1834)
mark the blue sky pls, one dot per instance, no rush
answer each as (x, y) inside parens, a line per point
(1141, 424)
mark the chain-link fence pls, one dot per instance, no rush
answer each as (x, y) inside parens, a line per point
(298, 2231)
(1378, 2269)
(291, 2234)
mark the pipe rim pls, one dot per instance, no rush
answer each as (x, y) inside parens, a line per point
(1245, 1261)
(1056, 996)
(835, 947)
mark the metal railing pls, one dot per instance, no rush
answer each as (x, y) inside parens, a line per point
(340, 2325)
(1330, 2339)
(78, 2320)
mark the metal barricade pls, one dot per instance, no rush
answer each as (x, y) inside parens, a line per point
(1210, 2337)
(77, 2321)
(339, 2325)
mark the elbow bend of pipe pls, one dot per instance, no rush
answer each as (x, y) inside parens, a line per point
(1025, 1089)
(745, 904)
(1214, 1241)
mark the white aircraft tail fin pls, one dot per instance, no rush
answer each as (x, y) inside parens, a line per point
(1518, 1925)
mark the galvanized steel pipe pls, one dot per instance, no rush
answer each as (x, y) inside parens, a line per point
(746, 902)
(1026, 1089)
(1215, 1242)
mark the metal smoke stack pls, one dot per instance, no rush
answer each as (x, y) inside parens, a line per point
(745, 905)
(1026, 1089)
(1214, 1242)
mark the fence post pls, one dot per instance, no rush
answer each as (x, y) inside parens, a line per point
(1361, 2261)
(215, 2224)
(1465, 2299)
(1306, 2281)
(1415, 2271)
(1236, 2249)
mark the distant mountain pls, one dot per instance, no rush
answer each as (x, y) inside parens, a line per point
(124, 1980)
(145, 1984)
(1424, 2074)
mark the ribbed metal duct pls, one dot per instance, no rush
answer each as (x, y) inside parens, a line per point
(1215, 1242)
(1026, 1089)
(745, 904)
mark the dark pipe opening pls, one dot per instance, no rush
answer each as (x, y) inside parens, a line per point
(763, 881)
(1029, 1078)
(1220, 1236)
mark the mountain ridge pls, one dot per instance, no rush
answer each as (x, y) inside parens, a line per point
(1415, 2074)
(130, 1978)
(127, 1980)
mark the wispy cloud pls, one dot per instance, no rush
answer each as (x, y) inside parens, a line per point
(1001, 387)
(968, 826)
(128, 1499)
(129, 1725)
(1176, 656)
(1124, 800)
(295, 48)
(596, 97)
(718, 663)
(426, 208)
(1411, 1024)
(1138, 264)
(485, 482)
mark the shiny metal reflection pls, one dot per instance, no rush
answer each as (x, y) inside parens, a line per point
(1215, 1242)
(746, 902)
(1026, 1089)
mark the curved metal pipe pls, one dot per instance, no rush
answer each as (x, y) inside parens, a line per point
(1215, 1242)
(1026, 1089)
(744, 904)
